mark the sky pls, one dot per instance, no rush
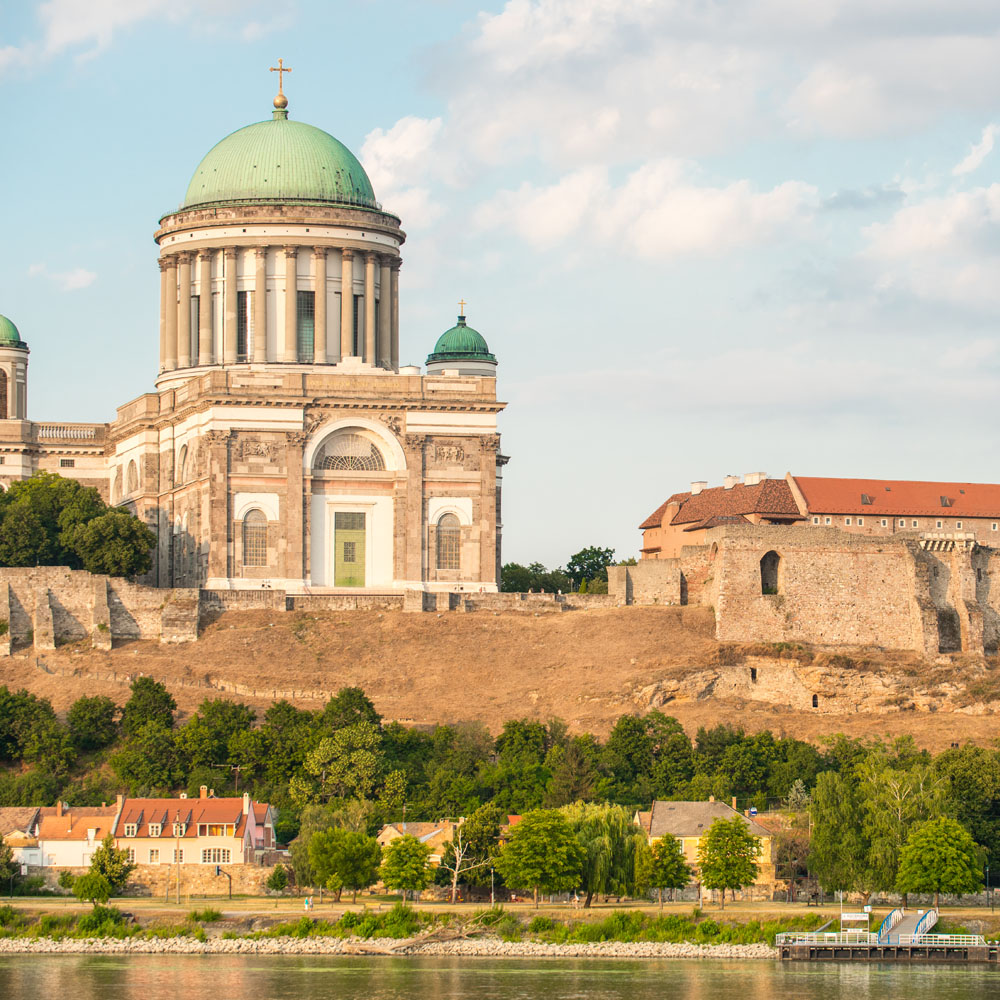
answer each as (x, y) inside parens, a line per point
(702, 237)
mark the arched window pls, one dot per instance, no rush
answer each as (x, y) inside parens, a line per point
(3, 396)
(769, 573)
(449, 542)
(132, 478)
(181, 463)
(255, 538)
(350, 452)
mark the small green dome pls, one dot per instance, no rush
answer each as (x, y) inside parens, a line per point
(9, 337)
(461, 343)
(280, 161)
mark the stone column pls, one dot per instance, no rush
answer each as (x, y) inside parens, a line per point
(296, 500)
(260, 307)
(319, 291)
(169, 291)
(384, 351)
(394, 357)
(229, 326)
(370, 308)
(346, 303)
(220, 524)
(290, 353)
(163, 313)
(184, 313)
(205, 352)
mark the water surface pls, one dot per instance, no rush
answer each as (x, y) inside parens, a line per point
(234, 977)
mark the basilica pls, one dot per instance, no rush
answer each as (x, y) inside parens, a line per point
(284, 446)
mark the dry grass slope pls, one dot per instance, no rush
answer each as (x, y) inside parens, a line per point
(587, 667)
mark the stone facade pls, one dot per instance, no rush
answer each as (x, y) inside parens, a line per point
(929, 593)
(161, 880)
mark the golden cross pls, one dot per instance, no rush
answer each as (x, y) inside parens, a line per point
(461, 307)
(280, 69)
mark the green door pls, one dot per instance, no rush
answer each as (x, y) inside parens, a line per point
(349, 549)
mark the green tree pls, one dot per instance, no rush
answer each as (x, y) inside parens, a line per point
(727, 856)
(147, 760)
(590, 563)
(973, 775)
(150, 701)
(940, 856)
(314, 818)
(609, 840)
(668, 867)
(406, 865)
(116, 543)
(543, 854)
(348, 764)
(207, 737)
(92, 887)
(112, 864)
(92, 722)
(346, 859)
(575, 772)
(349, 706)
(9, 868)
(894, 800)
(839, 848)
(277, 881)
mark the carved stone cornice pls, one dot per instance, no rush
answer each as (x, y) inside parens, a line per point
(216, 437)
(491, 442)
(297, 439)
(393, 422)
(416, 440)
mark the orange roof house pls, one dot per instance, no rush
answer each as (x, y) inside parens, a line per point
(435, 835)
(68, 837)
(678, 520)
(205, 830)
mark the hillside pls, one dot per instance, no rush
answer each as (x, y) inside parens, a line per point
(587, 667)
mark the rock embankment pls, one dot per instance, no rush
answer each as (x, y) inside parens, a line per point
(481, 947)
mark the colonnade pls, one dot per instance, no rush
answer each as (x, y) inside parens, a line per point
(380, 346)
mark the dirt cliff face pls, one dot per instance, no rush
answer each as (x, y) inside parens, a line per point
(586, 667)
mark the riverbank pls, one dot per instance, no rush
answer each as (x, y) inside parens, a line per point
(485, 947)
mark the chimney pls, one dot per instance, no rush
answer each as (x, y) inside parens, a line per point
(754, 478)
(711, 798)
(119, 801)
(203, 792)
(697, 487)
(734, 803)
(59, 807)
(729, 482)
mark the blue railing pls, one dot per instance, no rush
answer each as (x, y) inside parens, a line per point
(925, 923)
(890, 921)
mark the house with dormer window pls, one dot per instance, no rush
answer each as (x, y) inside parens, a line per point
(202, 831)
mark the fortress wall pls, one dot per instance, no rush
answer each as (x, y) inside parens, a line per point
(833, 589)
(651, 581)
(51, 605)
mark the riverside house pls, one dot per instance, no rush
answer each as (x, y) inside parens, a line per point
(202, 831)
(689, 821)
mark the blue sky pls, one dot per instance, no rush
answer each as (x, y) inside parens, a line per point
(701, 237)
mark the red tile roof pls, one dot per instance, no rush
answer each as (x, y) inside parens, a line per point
(769, 498)
(899, 496)
(73, 824)
(142, 812)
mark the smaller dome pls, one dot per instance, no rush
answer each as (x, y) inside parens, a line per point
(461, 343)
(9, 337)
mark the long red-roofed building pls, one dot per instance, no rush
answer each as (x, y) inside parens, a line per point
(859, 506)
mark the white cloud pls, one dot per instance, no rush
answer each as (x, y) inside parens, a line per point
(68, 281)
(657, 212)
(399, 161)
(979, 152)
(944, 248)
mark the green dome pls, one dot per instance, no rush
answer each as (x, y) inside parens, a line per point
(9, 337)
(461, 343)
(280, 161)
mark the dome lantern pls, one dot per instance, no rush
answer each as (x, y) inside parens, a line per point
(462, 349)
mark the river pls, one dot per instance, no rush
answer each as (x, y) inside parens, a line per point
(224, 977)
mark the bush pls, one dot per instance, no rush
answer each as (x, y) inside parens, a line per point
(66, 879)
(9, 916)
(206, 916)
(53, 925)
(102, 921)
(541, 924)
(277, 881)
(93, 888)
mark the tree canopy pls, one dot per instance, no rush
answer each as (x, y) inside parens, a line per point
(940, 856)
(542, 854)
(727, 856)
(47, 520)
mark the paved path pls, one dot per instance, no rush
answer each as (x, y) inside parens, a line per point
(908, 925)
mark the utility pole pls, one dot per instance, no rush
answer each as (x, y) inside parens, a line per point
(177, 852)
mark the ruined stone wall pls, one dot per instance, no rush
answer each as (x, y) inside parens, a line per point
(652, 581)
(832, 589)
(158, 880)
(51, 605)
